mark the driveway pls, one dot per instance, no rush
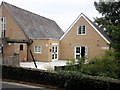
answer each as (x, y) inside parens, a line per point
(44, 65)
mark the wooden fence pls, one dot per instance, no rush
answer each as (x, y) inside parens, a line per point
(12, 60)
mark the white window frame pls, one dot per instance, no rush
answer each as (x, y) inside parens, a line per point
(86, 52)
(81, 30)
(3, 26)
(37, 51)
(54, 52)
(75, 51)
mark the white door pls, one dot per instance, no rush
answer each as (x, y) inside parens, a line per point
(54, 53)
(81, 51)
(77, 52)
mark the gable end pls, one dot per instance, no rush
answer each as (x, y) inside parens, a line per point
(90, 22)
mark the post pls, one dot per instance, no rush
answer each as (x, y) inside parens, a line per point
(33, 58)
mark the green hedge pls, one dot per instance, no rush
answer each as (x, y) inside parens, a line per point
(63, 79)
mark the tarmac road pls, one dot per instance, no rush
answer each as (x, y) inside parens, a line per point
(17, 86)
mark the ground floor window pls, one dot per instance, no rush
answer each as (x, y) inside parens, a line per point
(21, 47)
(37, 49)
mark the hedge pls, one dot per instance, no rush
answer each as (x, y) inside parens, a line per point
(62, 79)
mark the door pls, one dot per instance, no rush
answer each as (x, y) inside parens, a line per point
(54, 53)
(81, 51)
(77, 52)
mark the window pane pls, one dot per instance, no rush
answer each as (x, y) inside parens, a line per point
(83, 31)
(79, 30)
(53, 49)
(55, 56)
(77, 56)
(56, 49)
(83, 27)
(52, 56)
(77, 49)
(37, 49)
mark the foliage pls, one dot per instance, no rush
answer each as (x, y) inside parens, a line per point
(110, 20)
(106, 66)
(64, 79)
(75, 65)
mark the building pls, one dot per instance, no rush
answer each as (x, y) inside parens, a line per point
(23, 31)
(84, 39)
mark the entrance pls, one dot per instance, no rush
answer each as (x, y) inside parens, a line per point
(54, 53)
(80, 51)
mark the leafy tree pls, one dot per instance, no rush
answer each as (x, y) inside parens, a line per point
(110, 20)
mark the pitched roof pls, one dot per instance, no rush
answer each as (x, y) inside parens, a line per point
(33, 25)
(97, 29)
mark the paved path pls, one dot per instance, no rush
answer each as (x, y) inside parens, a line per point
(20, 86)
(44, 65)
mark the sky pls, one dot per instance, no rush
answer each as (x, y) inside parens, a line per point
(63, 12)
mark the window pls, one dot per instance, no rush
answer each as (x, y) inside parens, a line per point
(21, 47)
(3, 22)
(37, 49)
(77, 49)
(81, 30)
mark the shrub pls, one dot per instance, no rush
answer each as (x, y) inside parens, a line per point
(64, 79)
(106, 66)
(75, 65)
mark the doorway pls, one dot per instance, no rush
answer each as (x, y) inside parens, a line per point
(54, 53)
(80, 51)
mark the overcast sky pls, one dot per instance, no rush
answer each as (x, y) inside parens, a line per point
(64, 12)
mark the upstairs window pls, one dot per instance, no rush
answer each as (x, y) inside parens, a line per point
(3, 26)
(37, 49)
(81, 30)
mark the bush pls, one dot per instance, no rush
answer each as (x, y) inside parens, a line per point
(107, 66)
(64, 79)
(75, 65)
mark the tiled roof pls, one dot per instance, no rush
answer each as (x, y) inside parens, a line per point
(33, 25)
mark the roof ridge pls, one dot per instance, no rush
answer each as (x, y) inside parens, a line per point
(26, 11)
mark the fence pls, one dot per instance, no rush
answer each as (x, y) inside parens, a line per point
(12, 60)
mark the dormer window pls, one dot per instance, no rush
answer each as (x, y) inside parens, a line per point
(81, 30)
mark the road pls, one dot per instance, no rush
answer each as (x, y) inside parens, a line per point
(15, 86)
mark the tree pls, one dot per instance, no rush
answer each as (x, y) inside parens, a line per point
(110, 20)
